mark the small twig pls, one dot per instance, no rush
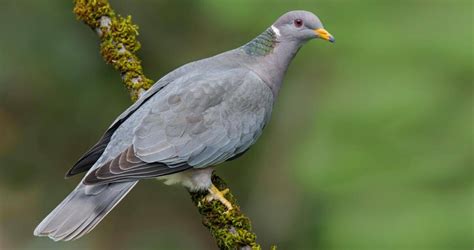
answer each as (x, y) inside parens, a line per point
(118, 45)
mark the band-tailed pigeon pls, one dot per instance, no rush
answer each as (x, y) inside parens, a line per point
(199, 115)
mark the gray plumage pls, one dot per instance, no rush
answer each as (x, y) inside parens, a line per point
(197, 116)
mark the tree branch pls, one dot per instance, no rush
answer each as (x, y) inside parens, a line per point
(118, 44)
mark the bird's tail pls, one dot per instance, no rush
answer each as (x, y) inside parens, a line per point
(82, 210)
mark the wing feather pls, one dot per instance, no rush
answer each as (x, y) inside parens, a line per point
(94, 153)
(193, 126)
(128, 167)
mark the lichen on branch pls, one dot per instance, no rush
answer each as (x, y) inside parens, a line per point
(118, 45)
(118, 42)
(230, 228)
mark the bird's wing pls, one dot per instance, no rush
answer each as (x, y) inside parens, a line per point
(193, 125)
(94, 153)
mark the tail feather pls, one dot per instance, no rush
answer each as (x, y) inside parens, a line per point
(81, 211)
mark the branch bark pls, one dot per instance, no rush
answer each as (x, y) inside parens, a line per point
(118, 45)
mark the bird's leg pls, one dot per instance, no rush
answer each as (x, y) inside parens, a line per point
(215, 194)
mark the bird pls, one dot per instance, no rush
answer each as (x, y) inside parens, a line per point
(197, 116)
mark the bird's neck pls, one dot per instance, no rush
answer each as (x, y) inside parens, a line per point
(261, 45)
(272, 57)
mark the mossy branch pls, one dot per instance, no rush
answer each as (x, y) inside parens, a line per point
(230, 228)
(118, 45)
(118, 42)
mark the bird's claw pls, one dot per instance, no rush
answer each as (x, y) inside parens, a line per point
(216, 194)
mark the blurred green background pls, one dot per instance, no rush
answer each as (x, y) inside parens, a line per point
(370, 145)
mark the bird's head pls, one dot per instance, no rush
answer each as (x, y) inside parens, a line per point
(300, 26)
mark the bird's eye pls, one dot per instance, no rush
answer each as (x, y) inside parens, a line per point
(298, 23)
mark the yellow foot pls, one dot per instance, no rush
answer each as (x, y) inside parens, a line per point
(215, 194)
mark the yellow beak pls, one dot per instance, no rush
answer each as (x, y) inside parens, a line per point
(324, 34)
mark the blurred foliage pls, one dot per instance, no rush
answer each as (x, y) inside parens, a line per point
(370, 145)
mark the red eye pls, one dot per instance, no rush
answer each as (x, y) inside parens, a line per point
(298, 23)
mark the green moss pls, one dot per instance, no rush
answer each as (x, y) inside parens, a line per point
(118, 42)
(231, 229)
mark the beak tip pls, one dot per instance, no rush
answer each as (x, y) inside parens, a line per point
(324, 34)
